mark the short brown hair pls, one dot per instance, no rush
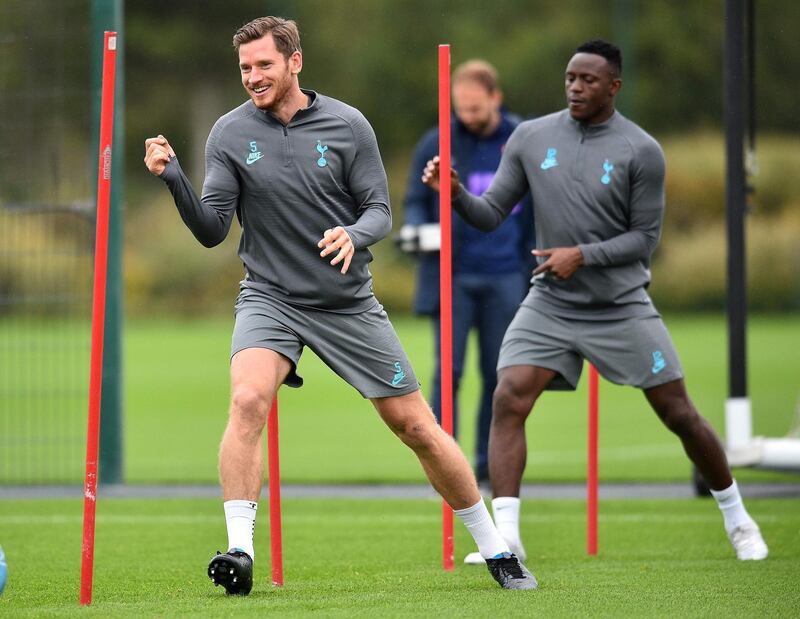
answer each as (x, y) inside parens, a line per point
(284, 32)
(478, 71)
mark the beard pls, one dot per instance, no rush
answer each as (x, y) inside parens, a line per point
(280, 89)
(479, 127)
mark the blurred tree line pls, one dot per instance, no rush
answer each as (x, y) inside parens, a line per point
(380, 56)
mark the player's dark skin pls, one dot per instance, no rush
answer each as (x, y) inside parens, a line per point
(591, 85)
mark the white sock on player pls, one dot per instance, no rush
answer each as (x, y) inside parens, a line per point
(506, 517)
(741, 528)
(731, 505)
(240, 517)
(480, 525)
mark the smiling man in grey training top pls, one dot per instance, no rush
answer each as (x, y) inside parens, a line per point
(304, 176)
(597, 181)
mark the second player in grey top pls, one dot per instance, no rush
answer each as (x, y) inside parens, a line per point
(598, 187)
(597, 182)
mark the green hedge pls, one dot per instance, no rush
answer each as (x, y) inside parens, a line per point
(167, 271)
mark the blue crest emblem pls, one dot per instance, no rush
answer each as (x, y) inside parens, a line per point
(606, 178)
(321, 148)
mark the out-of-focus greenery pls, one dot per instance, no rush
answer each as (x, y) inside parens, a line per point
(380, 56)
(167, 270)
(177, 377)
(689, 267)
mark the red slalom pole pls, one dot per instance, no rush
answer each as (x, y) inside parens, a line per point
(591, 460)
(98, 311)
(445, 284)
(273, 456)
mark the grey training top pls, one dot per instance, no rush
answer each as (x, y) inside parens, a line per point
(599, 187)
(288, 184)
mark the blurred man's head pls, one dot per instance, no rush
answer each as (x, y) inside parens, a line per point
(270, 59)
(477, 97)
(592, 80)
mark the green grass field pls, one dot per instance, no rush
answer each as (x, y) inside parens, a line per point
(176, 398)
(371, 558)
(366, 558)
(177, 395)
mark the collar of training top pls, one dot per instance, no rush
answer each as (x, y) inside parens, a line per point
(593, 129)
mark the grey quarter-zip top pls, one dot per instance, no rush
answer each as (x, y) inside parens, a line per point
(288, 184)
(598, 187)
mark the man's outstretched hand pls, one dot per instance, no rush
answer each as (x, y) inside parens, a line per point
(430, 176)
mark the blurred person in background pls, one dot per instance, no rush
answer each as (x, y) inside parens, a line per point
(303, 174)
(491, 270)
(597, 181)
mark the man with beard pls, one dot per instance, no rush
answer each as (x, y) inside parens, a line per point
(303, 174)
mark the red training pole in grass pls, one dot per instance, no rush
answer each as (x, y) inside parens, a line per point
(273, 456)
(591, 460)
(445, 284)
(98, 310)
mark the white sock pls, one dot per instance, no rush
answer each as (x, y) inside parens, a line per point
(506, 517)
(732, 508)
(240, 517)
(480, 525)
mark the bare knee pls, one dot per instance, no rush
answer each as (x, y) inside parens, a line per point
(681, 418)
(418, 432)
(511, 400)
(417, 428)
(675, 409)
(249, 407)
(412, 421)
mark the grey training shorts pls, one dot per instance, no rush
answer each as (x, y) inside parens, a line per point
(634, 351)
(362, 348)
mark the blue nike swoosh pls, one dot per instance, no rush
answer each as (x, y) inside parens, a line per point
(251, 162)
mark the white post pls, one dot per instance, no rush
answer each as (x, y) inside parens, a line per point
(738, 423)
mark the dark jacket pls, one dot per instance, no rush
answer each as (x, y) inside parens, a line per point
(476, 159)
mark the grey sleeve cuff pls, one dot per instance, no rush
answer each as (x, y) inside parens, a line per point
(590, 257)
(172, 171)
(206, 223)
(623, 249)
(372, 226)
